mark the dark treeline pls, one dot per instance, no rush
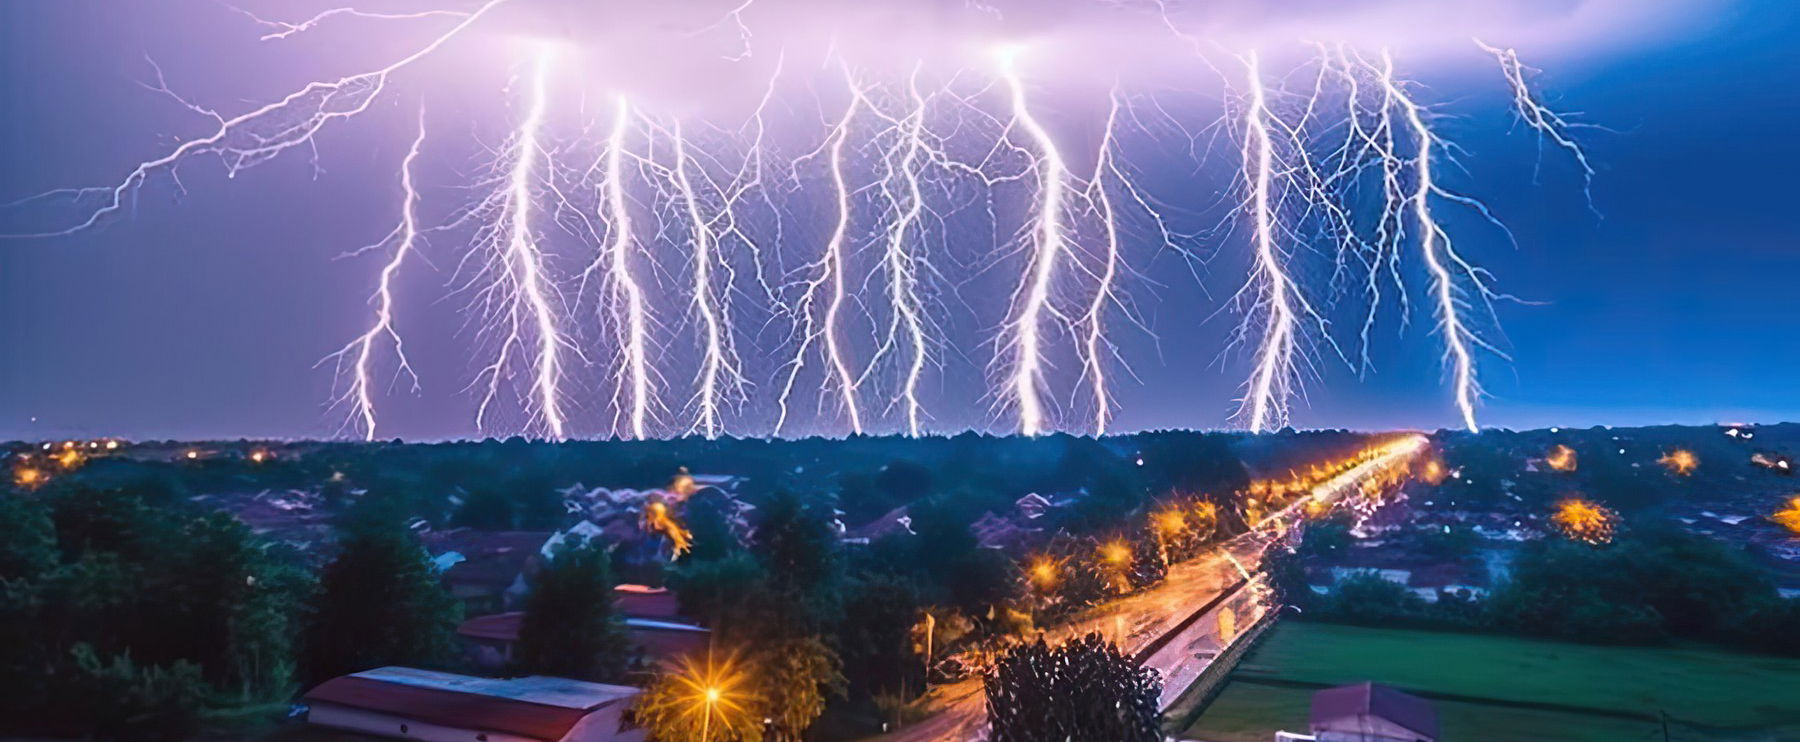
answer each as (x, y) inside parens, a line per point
(1651, 585)
(509, 482)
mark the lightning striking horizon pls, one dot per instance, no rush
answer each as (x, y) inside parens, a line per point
(828, 274)
(1272, 380)
(1096, 347)
(718, 362)
(625, 310)
(404, 237)
(520, 292)
(1046, 242)
(902, 266)
(1353, 181)
(1439, 253)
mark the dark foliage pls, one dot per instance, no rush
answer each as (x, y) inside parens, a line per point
(570, 629)
(119, 618)
(379, 603)
(1083, 691)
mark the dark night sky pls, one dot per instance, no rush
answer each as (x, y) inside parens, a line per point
(204, 315)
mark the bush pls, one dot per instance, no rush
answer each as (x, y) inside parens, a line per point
(1085, 689)
(126, 702)
(1770, 625)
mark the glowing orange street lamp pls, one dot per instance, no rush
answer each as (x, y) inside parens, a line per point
(1680, 462)
(1789, 517)
(1115, 553)
(1043, 573)
(1561, 458)
(1585, 521)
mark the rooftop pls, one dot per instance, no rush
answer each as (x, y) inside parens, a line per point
(535, 707)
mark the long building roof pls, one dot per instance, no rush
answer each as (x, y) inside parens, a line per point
(537, 707)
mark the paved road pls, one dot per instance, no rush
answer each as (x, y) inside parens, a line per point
(1176, 624)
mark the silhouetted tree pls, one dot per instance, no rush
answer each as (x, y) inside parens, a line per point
(379, 603)
(1084, 689)
(795, 678)
(570, 628)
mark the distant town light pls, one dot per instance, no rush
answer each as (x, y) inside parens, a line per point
(28, 477)
(1585, 521)
(1680, 462)
(1561, 458)
(1043, 573)
(1789, 517)
(1115, 553)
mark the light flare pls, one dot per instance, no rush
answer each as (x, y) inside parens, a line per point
(1561, 458)
(1585, 521)
(1680, 462)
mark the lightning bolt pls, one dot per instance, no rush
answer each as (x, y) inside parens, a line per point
(520, 294)
(829, 272)
(1272, 380)
(634, 389)
(718, 363)
(1549, 124)
(264, 133)
(283, 29)
(404, 237)
(1047, 242)
(1096, 347)
(1439, 253)
(902, 266)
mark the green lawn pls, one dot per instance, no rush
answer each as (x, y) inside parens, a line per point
(1713, 694)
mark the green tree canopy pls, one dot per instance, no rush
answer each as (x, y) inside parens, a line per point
(570, 628)
(379, 603)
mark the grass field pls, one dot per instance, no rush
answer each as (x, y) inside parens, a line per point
(1503, 688)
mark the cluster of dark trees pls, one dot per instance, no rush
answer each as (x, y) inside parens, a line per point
(126, 614)
(1653, 584)
(122, 612)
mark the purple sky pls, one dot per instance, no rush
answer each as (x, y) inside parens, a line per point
(202, 312)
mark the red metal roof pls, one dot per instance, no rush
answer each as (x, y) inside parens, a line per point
(449, 708)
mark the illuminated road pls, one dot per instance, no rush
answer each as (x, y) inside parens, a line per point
(1162, 621)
